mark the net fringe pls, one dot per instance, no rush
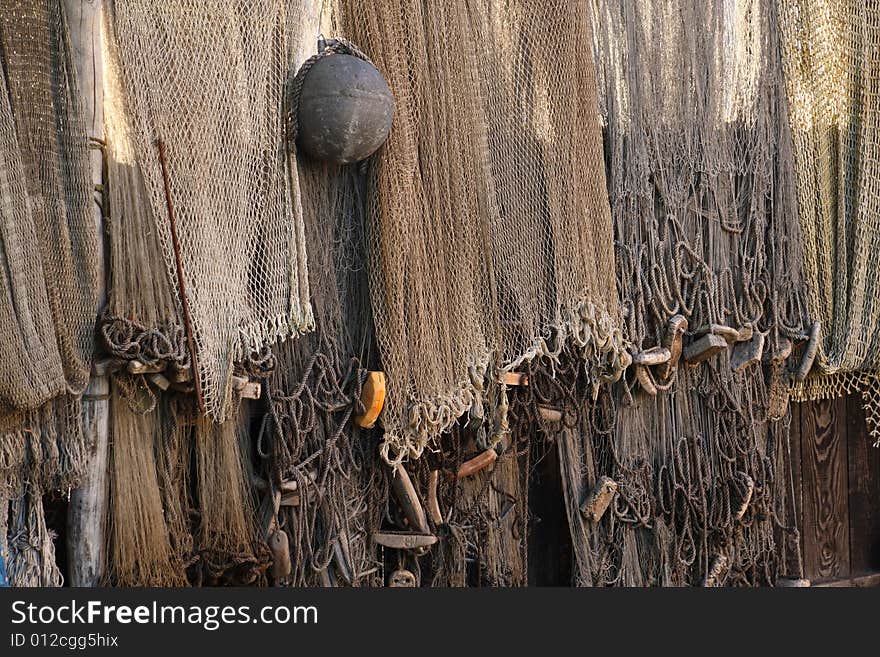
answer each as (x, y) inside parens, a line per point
(833, 386)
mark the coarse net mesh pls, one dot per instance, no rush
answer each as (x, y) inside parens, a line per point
(698, 156)
(489, 232)
(309, 438)
(49, 235)
(142, 319)
(831, 54)
(203, 84)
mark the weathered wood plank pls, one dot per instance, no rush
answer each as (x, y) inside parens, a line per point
(88, 503)
(825, 490)
(864, 492)
(862, 581)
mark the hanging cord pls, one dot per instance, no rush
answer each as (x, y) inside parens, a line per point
(184, 301)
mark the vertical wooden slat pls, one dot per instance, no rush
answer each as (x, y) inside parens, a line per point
(864, 492)
(825, 490)
(88, 503)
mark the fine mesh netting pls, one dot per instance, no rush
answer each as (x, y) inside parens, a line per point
(489, 234)
(202, 85)
(142, 319)
(48, 294)
(49, 237)
(698, 157)
(699, 160)
(832, 76)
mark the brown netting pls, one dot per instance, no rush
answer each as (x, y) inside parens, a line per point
(483, 532)
(699, 164)
(142, 321)
(49, 235)
(308, 438)
(48, 294)
(30, 548)
(832, 76)
(144, 504)
(489, 232)
(182, 509)
(699, 167)
(703, 483)
(202, 84)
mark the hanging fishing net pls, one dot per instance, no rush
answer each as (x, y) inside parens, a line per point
(201, 87)
(320, 467)
(49, 235)
(489, 236)
(149, 541)
(831, 57)
(699, 164)
(182, 508)
(49, 280)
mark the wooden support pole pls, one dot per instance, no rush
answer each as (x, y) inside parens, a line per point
(88, 503)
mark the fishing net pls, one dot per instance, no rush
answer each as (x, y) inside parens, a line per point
(182, 509)
(30, 544)
(49, 280)
(483, 518)
(142, 320)
(49, 237)
(324, 467)
(143, 504)
(703, 492)
(698, 159)
(202, 85)
(489, 236)
(182, 503)
(831, 57)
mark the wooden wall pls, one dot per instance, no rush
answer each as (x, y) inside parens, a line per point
(837, 492)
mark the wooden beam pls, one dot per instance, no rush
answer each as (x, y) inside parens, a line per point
(825, 490)
(863, 475)
(870, 580)
(88, 503)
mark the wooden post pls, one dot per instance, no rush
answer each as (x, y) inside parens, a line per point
(88, 503)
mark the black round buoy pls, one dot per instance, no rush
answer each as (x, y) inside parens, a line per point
(345, 110)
